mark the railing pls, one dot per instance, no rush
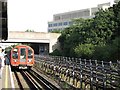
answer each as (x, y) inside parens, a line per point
(83, 73)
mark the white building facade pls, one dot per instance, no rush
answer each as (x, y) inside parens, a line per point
(63, 20)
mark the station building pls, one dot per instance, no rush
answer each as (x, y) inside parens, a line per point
(3, 20)
(63, 20)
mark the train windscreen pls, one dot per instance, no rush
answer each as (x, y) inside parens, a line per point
(22, 54)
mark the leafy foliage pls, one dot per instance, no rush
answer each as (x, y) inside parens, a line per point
(84, 50)
(56, 52)
(96, 38)
(56, 31)
(28, 30)
(116, 10)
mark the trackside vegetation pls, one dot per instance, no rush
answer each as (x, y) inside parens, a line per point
(95, 38)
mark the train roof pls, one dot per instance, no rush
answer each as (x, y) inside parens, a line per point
(22, 46)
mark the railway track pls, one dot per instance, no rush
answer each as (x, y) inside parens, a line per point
(32, 80)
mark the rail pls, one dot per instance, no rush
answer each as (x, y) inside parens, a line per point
(33, 81)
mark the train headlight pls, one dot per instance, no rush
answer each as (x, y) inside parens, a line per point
(15, 60)
(29, 60)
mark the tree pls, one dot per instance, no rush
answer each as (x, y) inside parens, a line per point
(116, 10)
(84, 50)
(28, 30)
(104, 25)
(56, 31)
(93, 38)
(56, 52)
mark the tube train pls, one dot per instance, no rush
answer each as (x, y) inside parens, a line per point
(22, 57)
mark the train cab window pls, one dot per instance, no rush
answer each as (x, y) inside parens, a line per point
(15, 53)
(30, 55)
(22, 53)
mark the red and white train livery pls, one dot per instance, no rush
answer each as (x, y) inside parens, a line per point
(22, 57)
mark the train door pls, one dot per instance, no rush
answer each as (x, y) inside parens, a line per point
(23, 57)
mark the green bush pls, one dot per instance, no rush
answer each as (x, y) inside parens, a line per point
(102, 52)
(110, 52)
(84, 50)
(56, 52)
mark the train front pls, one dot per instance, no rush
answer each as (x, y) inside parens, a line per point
(22, 57)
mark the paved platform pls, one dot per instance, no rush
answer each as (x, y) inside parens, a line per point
(5, 81)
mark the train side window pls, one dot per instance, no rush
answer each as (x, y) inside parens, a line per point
(15, 53)
(30, 55)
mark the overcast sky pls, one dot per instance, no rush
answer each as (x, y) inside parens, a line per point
(35, 14)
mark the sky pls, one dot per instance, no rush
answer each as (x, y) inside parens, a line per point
(35, 14)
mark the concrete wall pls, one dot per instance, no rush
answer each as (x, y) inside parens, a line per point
(38, 37)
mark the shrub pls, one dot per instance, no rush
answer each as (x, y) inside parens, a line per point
(84, 50)
(56, 52)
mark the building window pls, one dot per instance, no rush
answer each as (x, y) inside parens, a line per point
(55, 24)
(70, 23)
(50, 25)
(60, 24)
(65, 23)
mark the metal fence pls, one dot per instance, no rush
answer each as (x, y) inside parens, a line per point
(92, 73)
